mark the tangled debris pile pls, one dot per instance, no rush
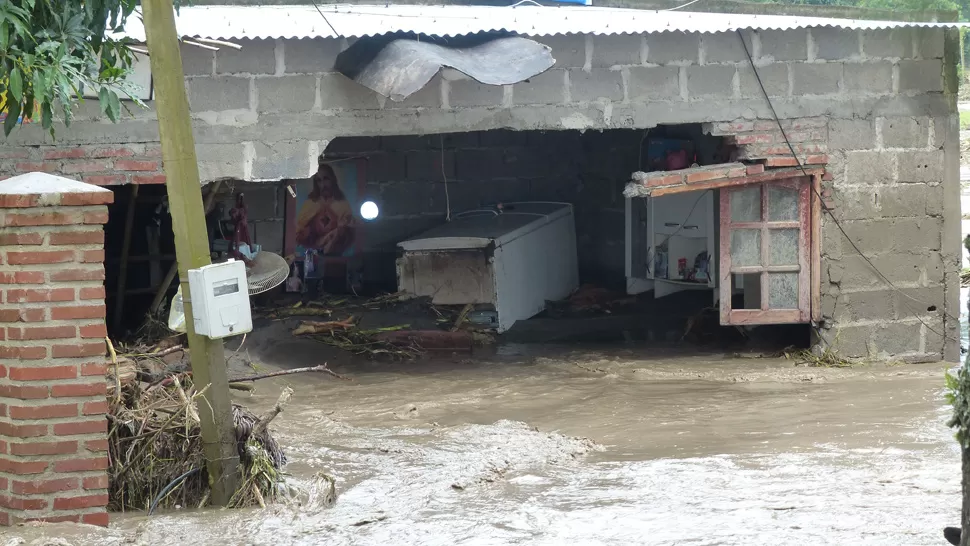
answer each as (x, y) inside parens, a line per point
(155, 443)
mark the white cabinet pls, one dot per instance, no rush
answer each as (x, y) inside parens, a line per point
(668, 238)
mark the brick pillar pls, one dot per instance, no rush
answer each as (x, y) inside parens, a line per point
(53, 429)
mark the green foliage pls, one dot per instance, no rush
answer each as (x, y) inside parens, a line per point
(51, 49)
(958, 395)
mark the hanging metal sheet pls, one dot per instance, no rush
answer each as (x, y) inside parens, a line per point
(397, 68)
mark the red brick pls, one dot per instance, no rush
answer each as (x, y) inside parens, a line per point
(42, 332)
(37, 257)
(30, 219)
(29, 277)
(666, 180)
(86, 501)
(15, 503)
(23, 353)
(80, 389)
(18, 201)
(22, 467)
(100, 519)
(78, 349)
(82, 465)
(95, 237)
(22, 431)
(5, 519)
(93, 331)
(64, 153)
(781, 162)
(111, 152)
(77, 312)
(96, 445)
(81, 427)
(27, 449)
(44, 167)
(22, 315)
(148, 179)
(136, 165)
(95, 408)
(38, 487)
(820, 159)
(734, 127)
(92, 256)
(3, 371)
(85, 167)
(34, 295)
(94, 368)
(706, 174)
(756, 168)
(753, 138)
(14, 153)
(42, 373)
(78, 274)
(3, 413)
(99, 218)
(3, 484)
(50, 411)
(106, 179)
(805, 136)
(92, 293)
(96, 482)
(69, 518)
(87, 199)
(23, 392)
(10, 239)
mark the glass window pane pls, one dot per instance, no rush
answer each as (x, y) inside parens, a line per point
(783, 247)
(745, 247)
(782, 204)
(746, 204)
(783, 290)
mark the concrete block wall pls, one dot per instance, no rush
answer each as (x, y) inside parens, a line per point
(268, 111)
(53, 432)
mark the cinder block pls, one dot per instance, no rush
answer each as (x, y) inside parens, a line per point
(898, 268)
(386, 167)
(784, 45)
(710, 81)
(816, 78)
(833, 44)
(652, 83)
(934, 343)
(411, 198)
(895, 338)
(852, 134)
(930, 42)
(934, 199)
(286, 94)
(889, 201)
(255, 57)
(403, 142)
(869, 78)
(908, 132)
(546, 88)
(261, 201)
(773, 76)
(428, 96)
(921, 166)
(896, 43)
(600, 83)
(910, 237)
(472, 93)
(568, 50)
(310, 55)
(725, 47)
(220, 161)
(269, 235)
(278, 160)
(504, 138)
(913, 302)
(680, 48)
(860, 306)
(340, 92)
(196, 61)
(217, 94)
(354, 145)
(616, 49)
(873, 168)
(427, 166)
(926, 75)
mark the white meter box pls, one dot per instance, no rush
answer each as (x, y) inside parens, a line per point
(220, 300)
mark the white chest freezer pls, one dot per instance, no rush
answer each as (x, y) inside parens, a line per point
(516, 260)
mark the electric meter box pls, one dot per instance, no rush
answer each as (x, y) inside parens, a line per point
(220, 300)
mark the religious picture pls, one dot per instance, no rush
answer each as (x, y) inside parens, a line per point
(325, 219)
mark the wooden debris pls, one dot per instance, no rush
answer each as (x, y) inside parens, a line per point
(314, 327)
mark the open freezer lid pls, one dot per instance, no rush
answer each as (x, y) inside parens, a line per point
(480, 228)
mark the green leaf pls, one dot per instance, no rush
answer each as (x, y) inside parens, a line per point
(13, 112)
(47, 116)
(16, 85)
(114, 106)
(103, 100)
(4, 35)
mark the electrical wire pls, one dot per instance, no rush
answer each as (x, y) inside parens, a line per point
(838, 224)
(335, 33)
(444, 177)
(680, 6)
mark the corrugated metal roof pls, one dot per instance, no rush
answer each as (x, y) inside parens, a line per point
(354, 21)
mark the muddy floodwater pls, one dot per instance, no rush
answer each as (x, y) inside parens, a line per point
(565, 446)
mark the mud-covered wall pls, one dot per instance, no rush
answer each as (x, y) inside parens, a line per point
(268, 111)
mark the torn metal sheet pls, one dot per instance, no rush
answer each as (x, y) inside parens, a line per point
(398, 68)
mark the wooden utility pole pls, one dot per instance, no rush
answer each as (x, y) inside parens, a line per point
(191, 243)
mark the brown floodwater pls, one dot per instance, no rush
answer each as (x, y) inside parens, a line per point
(588, 447)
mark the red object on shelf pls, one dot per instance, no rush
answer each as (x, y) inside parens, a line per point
(682, 267)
